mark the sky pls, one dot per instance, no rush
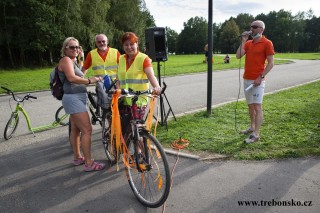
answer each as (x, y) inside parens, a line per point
(173, 13)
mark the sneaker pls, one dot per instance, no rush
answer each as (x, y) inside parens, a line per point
(94, 167)
(247, 131)
(252, 138)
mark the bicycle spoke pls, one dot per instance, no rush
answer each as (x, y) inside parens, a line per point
(62, 117)
(11, 126)
(150, 183)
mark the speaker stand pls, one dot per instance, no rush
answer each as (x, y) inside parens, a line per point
(164, 115)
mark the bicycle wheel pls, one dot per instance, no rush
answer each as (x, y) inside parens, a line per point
(150, 179)
(11, 126)
(62, 117)
(106, 136)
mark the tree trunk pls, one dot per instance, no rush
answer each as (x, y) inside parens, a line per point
(7, 39)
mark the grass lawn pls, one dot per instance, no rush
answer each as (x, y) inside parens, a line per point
(289, 129)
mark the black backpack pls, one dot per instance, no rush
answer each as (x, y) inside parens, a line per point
(56, 85)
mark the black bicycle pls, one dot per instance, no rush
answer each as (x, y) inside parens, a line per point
(145, 161)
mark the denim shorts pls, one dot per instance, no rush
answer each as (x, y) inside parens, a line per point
(255, 94)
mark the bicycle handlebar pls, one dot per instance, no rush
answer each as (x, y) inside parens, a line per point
(132, 92)
(29, 96)
(26, 97)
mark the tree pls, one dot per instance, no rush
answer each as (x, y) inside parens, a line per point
(229, 40)
(217, 29)
(312, 35)
(94, 21)
(193, 37)
(243, 20)
(129, 16)
(172, 37)
(32, 31)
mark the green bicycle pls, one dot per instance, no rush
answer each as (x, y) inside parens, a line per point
(61, 118)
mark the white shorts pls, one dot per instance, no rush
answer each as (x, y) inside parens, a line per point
(255, 94)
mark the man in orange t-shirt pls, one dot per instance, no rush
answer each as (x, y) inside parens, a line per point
(257, 51)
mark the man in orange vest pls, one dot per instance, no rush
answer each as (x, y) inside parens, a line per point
(103, 60)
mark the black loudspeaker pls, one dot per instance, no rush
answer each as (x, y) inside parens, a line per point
(156, 43)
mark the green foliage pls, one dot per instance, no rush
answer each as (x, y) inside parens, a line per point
(93, 22)
(289, 129)
(193, 37)
(312, 32)
(244, 20)
(229, 41)
(172, 37)
(32, 31)
(129, 10)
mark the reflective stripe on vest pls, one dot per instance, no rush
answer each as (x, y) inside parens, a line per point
(107, 67)
(98, 67)
(135, 77)
(111, 67)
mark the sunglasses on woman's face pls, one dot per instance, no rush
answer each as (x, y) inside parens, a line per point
(73, 47)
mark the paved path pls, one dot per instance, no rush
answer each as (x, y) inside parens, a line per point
(37, 174)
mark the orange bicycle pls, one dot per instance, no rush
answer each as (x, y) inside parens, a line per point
(145, 161)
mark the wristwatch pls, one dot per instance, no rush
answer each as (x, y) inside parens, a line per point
(262, 76)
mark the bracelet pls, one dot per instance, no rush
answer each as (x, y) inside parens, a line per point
(89, 81)
(81, 58)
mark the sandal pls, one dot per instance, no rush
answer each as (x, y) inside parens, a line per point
(247, 131)
(94, 167)
(79, 161)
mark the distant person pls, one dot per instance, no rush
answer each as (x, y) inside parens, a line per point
(227, 59)
(206, 54)
(257, 51)
(74, 102)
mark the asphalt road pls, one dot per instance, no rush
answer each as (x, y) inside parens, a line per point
(37, 174)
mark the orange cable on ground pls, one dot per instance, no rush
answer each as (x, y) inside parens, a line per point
(177, 144)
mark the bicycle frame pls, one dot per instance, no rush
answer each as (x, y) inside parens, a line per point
(146, 164)
(38, 128)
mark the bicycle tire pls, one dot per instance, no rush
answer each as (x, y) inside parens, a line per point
(146, 183)
(109, 150)
(11, 126)
(62, 117)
